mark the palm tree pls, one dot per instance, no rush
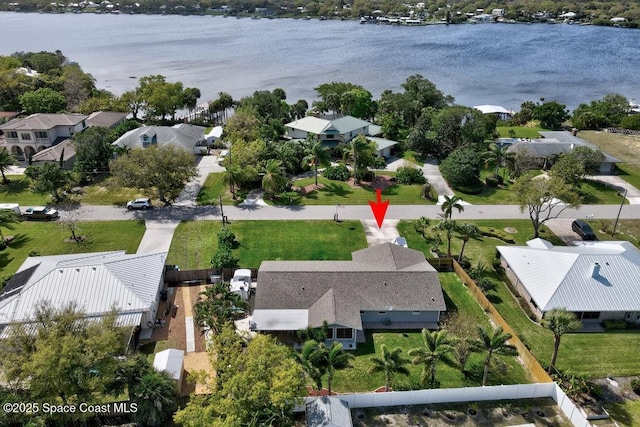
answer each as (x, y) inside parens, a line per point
(316, 154)
(225, 102)
(449, 204)
(494, 343)
(559, 321)
(230, 178)
(155, 396)
(336, 358)
(218, 306)
(274, 179)
(6, 160)
(496, 155)
(309, 358)
(449, 227)
(467, 231)
(354, 149)
(390, 363)
(317, 360)
(438, 345)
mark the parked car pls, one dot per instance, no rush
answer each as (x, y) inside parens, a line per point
(583, 230)
(40, 212)
(142, 203)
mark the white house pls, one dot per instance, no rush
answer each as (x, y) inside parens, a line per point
(384, 286)
(25, 137)
(596, 280)
(501, 112)
(97, 282)
(188, 137)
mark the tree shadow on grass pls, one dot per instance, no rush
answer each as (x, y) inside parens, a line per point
(336, 190)
(5, 259)
(19, 241)
(15, 187)
(494, 299)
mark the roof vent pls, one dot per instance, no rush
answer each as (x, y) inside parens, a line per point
(596, 270)
(77, 269)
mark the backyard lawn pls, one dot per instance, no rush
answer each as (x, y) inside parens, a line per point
(194, 242)
(520, 131)
(357, 378)
(48, 238)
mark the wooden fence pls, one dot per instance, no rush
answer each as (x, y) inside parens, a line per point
(441, 264)
(537, 372)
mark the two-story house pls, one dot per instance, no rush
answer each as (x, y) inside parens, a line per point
(25, 137)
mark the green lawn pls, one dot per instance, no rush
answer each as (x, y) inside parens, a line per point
(489, 195)
(630, 173)
(624, 147)
(357, 378)
(626, 413)
(194, 242)
(105, 191)
(597, 193)
(521, 131)
(338, 192)
(48, 238)
(212, 189)
(18, 191)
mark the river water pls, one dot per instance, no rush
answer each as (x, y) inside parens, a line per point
(477, 64)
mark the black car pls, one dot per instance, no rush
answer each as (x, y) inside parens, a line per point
(583, 230)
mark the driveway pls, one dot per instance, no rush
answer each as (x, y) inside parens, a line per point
(205, 165)
(562, 229)
(433, 175)
(157, 236)
(375, 235)
(633, 194)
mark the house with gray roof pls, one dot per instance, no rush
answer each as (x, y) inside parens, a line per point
(596, 280)
(25, 137)
(96, 282)
(554, 143)
(331, 132)
(382, 287)
(328, 411)
(187, 137)
(106, 119)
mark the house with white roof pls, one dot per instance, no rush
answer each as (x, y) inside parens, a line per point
(332, 132)
(96, 282)
(185, 136)
(596, 280)
(383, 287)
(501, 112)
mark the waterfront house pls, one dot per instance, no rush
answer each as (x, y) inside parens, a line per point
(596, 280)
(187, 137)
(383, 287)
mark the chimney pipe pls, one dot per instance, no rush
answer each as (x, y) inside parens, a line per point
(596, 270)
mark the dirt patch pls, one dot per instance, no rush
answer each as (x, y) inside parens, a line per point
(381, 182)
(303, 191)
(616, 389)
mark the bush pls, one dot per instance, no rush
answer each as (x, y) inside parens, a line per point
(491, 181)
(498, 234)
(337, 173)
(428, 192)
(226, 237)
(631, 122)
(615, 324)
(475, 188)
(461, 168)
(635, 385)
(410, 175)
(223, 258)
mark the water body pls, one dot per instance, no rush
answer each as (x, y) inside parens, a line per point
(477, 64)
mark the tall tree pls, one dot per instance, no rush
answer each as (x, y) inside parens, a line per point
(544, 199)
(155, 397)
(49, 178)
(167, 169)
(559, 321)
(6, 160)
(274, 179)
(497, 155)
(449, 227)
(467, 231)
(493, 343)
(43, 100)
(390, 363)
(335, 358)
(438, 346)
(93, 150)
(218, 306)
(310, 358)
(316, 154)
(449, 204)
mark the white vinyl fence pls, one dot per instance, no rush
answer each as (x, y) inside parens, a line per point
(467, 394)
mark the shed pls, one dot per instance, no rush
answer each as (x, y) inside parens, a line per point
(172, 361)
(328, 411)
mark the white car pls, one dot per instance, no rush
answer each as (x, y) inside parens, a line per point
(142, 203)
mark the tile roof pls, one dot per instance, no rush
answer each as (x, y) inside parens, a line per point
(383, 277)
(563, 276)
(41, 121)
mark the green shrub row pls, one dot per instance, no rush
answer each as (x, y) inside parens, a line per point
(498, 234)
(615, 324)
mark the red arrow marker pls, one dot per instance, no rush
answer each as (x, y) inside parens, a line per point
(379, 208)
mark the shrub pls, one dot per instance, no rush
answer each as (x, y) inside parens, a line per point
(498, 234)
(226, 237)
(223, 258)
(337, 173)
(491, 181)
(428, 192)
(461, 168)
(410, 175)
(615, 324)
(475, 188)
(635, 385)
(486, 285)
(631, 122)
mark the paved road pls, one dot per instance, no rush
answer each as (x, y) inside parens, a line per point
(351, 212)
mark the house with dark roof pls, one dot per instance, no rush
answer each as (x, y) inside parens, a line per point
(554, 143)
(188, 137)
(596, 280)
(331, 132)
(25, 137)
(96, 282)
(383, 287)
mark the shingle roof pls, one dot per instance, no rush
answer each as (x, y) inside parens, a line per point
(328, 411)
(96, 282)
(41, 121)
(384, 277)
(182, 135)
(105, 119)
(557, 277)
(556, 142)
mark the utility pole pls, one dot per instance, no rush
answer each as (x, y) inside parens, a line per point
(624, 197)
(224, 218)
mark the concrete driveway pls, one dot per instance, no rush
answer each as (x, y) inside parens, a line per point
(375, 235)
(157, 236)
(205, 165)
(562, 229)
(633, 194)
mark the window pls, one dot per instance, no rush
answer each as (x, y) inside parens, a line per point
(25, 136)
(344, 333)
(533, 303)
(416, 313)
(42, 135)
(12, 134)
(329, 136)
(329, 333)
(591, 315)
(381, 313)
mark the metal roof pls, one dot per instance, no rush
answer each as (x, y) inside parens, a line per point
(96, 282)
(382, 143)
(328, 411)
(592, 276)
(170, 360)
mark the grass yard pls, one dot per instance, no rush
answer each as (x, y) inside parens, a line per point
(357, 378)
(106, 192)
(625, 413)
(194, 242)
(18, 191)
(212, 189)
(597, 193)
(489, 195)
(624, 147)
(48, 238)
(521, 131)
(338, 192)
